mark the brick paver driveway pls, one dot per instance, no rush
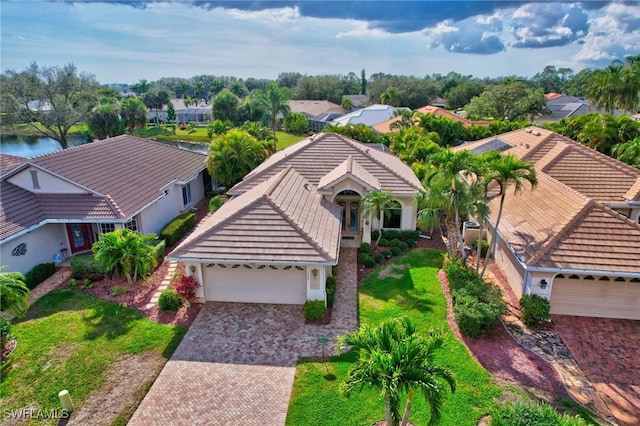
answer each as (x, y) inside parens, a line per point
(236, 364)
(608, 350)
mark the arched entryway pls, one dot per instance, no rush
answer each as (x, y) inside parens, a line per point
(351, 203)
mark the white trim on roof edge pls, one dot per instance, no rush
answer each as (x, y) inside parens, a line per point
(266, 262)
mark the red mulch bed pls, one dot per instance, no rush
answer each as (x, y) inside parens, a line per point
(503, 357)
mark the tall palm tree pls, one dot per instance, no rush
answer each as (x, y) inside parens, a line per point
(14, 294)
(395, 359)
(506, 171)
(274, 100)
(377, 204)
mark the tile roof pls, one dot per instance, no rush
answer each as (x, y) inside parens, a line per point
(314, 108)
(282, 219)
(9, 162)
(349, 167)
(320, 154)
(21, 209)
(130, 171)
(373, 114)
(563, 222)
(385, 126)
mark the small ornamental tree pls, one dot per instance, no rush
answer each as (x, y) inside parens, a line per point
(186, 286)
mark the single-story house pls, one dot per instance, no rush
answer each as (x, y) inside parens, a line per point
(277, 238)
(200, 113)
(319, 113)
(385, 126)
(575, 239)
(565, 106)
(57, 205)
(370, 115)
(357, 101)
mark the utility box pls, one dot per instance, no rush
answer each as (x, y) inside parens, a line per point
(470, 232)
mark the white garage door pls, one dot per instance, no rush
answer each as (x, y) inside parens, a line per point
(596, 297)
(257, 284)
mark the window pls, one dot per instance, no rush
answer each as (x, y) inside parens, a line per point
(186, 194)
(107, 227)
(132, 225)
(394, 219)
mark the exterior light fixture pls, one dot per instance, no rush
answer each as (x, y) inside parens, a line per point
(314, 271)
(192, 268)
(543, 284)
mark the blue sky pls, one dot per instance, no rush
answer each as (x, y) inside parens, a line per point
(123, 42)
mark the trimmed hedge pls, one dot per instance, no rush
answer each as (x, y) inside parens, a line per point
(411, 243)
(169, 300)
(369, 262)
(314, 310)
(85, 266)
(528, 414)
(178, 228)
(379, 258)
(383, 242)
(404, 246)
(395, 242)
(331, 289)
(535, 309)
(395, 251)
(362, 257)
(396, 234)
(38, 274)
(365, 248)
(386, 253)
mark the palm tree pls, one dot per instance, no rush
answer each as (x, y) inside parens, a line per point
(233, 155)
(377, 204)
(395, 359)
(628, 152)
(274, 100)
(14, 294)
(506, 171)
(133, 113)
(127, 251)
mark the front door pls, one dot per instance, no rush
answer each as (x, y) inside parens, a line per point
(79, 236)
(350, 214)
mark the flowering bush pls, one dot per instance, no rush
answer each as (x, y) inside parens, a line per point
(186, 286)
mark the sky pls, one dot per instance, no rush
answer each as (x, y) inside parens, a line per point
(124, 42)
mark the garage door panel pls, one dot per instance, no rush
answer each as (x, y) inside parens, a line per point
(596, 298)
(265, 285)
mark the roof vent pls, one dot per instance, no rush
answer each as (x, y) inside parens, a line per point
(528, 130)
(536, 133)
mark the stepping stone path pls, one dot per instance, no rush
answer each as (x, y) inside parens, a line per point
(163, 285)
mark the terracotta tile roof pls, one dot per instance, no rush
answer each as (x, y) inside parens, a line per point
(282, 219)
(21, 209)
(9, 162)
(349, 167)
(314, 108)
(320, 154)
(128, 170)
(550, 96)
(385, 126)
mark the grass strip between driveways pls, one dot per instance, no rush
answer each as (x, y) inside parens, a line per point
(413, 290)
(69, 340)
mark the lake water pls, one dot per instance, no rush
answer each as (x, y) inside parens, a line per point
(31, 146)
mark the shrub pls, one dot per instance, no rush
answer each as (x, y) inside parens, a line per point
(72, 282)
(186, 286)
(5, 330)
(535, 309)
(375, 234)
(215, 203)
(386, 253)
(86, 282)
(484, 247)
(85, 266)
(395, 242)
(177, 228)
(528, 414)
(38, 274)
(169, 300)
(365, 248)
(391, 234)
(404, 246)
(314, 310)
(411, 243)
(384, 242)
(379, 258)
(473, 316)
(362, 257)
(395, 251)
(369, 263)
(116, 291)
(332, 283)
(158, 246)
(410, 235)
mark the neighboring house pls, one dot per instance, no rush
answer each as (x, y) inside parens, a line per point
(386, 126)
(438, 101)
(9, 162)
(318, 113)
(277, 238)
(575, 239)
(357, 101)
(370, 115)
(565, 106)
(199, 114)
(57, 205)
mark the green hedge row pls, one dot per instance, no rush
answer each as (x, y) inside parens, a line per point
(38, 274)
(85, 266)
(395, 234)
(178, 228)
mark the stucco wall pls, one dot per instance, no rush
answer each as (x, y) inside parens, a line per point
(511, 268)
(48, 183)
(42, 244)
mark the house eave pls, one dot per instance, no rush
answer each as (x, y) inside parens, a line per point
(582, 271)
(248, 260)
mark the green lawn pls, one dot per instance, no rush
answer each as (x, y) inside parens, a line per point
(69, 340)
(417, 294)
(285, 139)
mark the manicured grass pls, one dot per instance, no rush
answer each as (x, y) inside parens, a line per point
(286, 139)
(69, 340)
(315, 399)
